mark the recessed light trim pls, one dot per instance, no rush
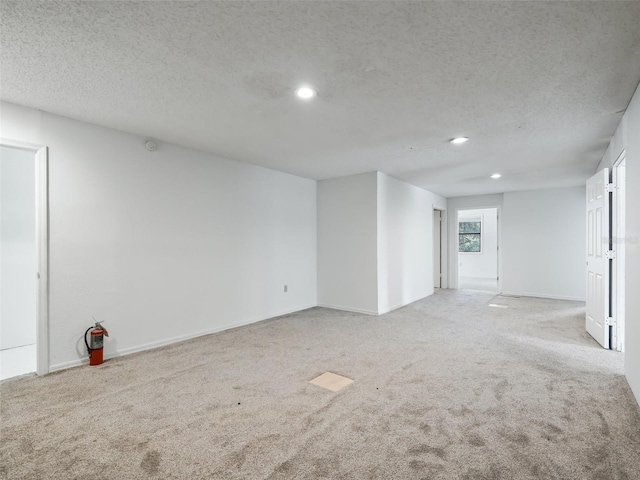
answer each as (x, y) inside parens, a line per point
(306, 93)
(496, 176)
(459, 140)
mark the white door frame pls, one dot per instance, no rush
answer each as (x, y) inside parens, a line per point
(618, 245)
(444, 235)
(437, 248)
(456, 281)
(42, 248)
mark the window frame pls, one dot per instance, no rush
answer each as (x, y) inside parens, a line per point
(476, 218)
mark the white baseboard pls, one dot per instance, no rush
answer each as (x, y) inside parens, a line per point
(371, 312)
(543, 295)
(391, 309)
(477, 278)
(347, 309)
(169, 341)
(396, 307)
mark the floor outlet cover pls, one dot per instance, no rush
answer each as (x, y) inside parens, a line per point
(331, 381)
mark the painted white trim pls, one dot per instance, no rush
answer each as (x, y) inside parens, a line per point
(389, 310)
(42, 248)
(479, 278)
(371, 312)
(618, 275)
(436, 255)
(30, 147)
(444, 245)
(42, 236)
(396, 307)
(170, 341)
(347, 309)
(542, 295)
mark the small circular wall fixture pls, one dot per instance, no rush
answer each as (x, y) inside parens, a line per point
(459, 140)
(151, 145)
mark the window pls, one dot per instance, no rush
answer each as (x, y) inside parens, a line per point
(469, 236)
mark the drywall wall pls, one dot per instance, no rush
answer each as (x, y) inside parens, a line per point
(164, 245)
(405, 242)
(17, 248)
(485, 263)
(627, 139)
(347, 243)
(454, 205)
(543, 246)
(375, 242)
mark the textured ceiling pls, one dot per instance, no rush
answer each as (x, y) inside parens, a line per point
(539, 87)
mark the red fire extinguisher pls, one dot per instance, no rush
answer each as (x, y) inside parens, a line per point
(95, 344)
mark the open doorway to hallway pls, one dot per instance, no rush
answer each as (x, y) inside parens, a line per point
(24, 259)
(17, 262)
(437, 248)
(478, 249)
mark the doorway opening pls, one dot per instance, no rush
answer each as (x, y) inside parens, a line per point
(437, 248)
(23, 259)
(477, 259)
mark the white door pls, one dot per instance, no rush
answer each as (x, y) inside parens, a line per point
(437, 235)
(598, 262)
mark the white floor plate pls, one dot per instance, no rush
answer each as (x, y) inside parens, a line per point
(331, 381)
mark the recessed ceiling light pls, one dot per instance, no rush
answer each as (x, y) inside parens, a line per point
(459, 140)
(306, 93)
(496, 175)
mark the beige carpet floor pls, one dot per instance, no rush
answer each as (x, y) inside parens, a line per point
(445, 388)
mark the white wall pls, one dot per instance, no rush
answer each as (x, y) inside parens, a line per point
(375, 242)
(164, 245)
(627, 138)
(454, 205)
(347, 243)
(17, 248)
(485, 263)
(405, 242)
(543, 243)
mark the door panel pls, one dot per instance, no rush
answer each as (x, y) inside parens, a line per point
(598, 272)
